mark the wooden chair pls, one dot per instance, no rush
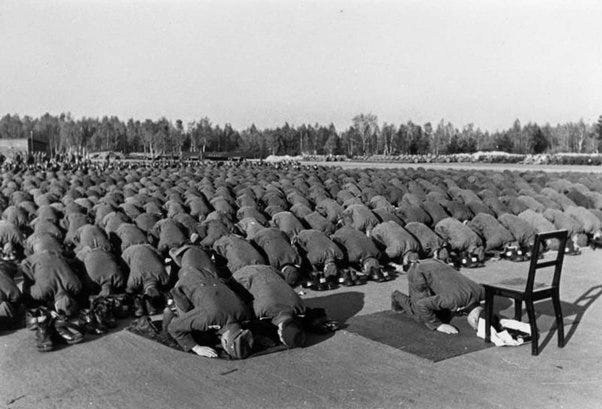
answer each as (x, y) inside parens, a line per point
(530, 293)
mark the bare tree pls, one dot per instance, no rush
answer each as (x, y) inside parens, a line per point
(367, 128)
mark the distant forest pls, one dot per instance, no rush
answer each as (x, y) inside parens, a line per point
(365, 136)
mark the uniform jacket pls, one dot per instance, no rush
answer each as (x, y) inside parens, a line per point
(435, 286)
(318, 248)
(277, 247)
(204, 303)
(238, 252)
(357, 245)
(49, 276)
(102, 270)
(396, 240)
(271, 295)
(146, 267)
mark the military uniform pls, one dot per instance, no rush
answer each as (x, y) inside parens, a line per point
(205, 304)
(437, 290)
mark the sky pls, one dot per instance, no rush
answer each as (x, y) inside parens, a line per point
(271, 62)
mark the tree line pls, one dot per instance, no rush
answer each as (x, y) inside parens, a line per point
(365, 136)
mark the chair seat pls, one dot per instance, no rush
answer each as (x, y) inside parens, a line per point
(517, 292)
(516, 284)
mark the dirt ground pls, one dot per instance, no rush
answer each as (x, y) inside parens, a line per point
(122, 370)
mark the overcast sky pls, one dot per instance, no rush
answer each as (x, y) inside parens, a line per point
(267, 62)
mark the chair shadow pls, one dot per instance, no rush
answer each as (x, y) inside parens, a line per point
(339, 307)
(576, 309)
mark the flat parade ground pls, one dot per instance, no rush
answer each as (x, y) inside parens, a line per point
(122, 370)
(463, 165)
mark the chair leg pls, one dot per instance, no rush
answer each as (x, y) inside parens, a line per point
(559, 319)
(518, 311)
(533, 325)
(488, 314)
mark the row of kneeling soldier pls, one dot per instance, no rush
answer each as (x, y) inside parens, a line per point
(85, 244)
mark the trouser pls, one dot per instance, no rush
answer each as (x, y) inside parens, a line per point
(185, 324)
(150, 286)
(418, 289)
(405, 305)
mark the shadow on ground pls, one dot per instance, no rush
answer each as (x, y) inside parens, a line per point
(544, 310)
(339, 307)
(573, 311)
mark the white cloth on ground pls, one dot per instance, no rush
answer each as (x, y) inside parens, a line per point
(500, 339)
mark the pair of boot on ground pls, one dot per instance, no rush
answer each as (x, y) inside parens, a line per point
(347, 278)
(53, 328)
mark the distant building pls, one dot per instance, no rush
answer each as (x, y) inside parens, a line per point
(10, 147)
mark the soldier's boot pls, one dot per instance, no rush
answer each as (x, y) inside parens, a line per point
(88, 323)
(345, 278)
(67, 331)
(45, 331)
(139, 307)
(121, 305)
(103, 313)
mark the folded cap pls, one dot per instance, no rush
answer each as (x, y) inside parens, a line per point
(443, 255)
(65, 304)
(237, 342)
(290, 273)
(473, 317)
(410, 257)
(8, 251)
(151, 291)
(479, 253)
(281, 317)
(330, 269)
(177, 253)
(291, 334)
(370, 264)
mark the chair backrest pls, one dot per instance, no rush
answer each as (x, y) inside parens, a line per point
(540, 239)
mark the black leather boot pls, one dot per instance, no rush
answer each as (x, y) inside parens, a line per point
(103, 314)
(68, 332)
(86, 321)
(120, 305)
(45, 331)
(139, 307)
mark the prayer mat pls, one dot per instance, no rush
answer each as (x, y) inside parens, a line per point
(400, 331)
(264, 337)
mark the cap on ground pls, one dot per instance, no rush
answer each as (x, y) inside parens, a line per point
(330, 269)
(371, 263)
(291, 334)
(290, 274)
(65, 304)
(473, 317)
(176, 254)
(237, 342)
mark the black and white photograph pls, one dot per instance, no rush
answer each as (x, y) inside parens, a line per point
(300, 204)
